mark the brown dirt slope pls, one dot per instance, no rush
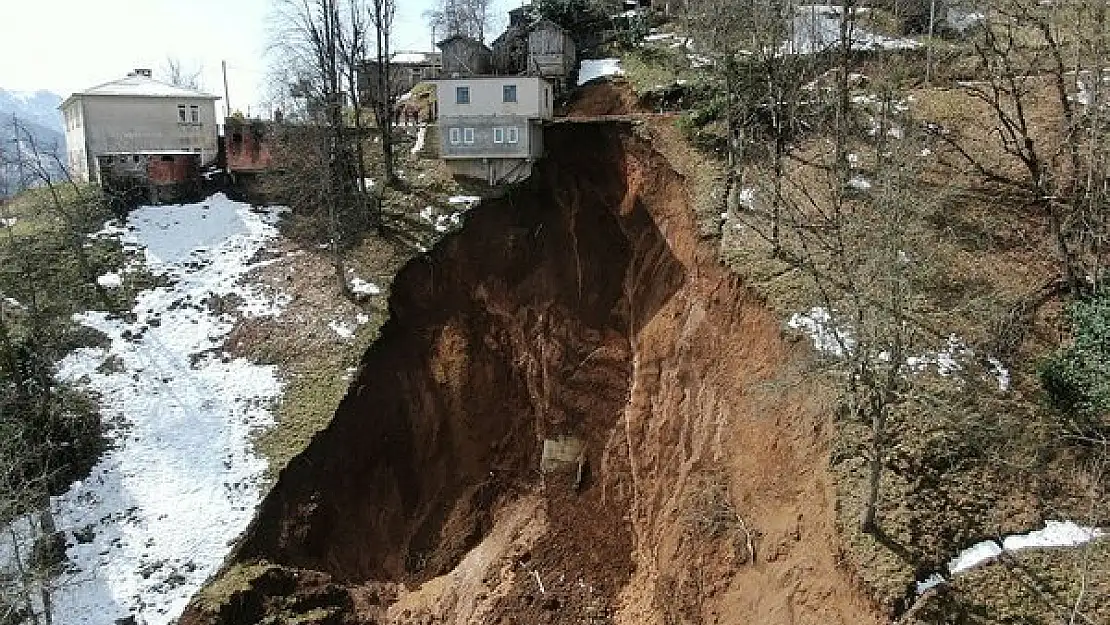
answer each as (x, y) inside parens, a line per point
(585, 305)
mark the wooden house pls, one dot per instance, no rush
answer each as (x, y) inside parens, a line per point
(464, 56)
(406, 69)
(551, 52)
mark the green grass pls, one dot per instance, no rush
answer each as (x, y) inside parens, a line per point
(235, 580)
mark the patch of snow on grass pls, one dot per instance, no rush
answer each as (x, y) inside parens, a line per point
(820, 327)
(180, 480)
(470, 200)
(973, 556)
(1001, 373)
(8, 222)
(1054, 535)
(343, 329)
(946, 359)
(419, 145)
(592, 69)
(859, 183)
(362, 287)
(110, 280)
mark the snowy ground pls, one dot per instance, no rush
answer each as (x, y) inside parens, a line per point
(180, 482)
(1055, 534)
(592, 69)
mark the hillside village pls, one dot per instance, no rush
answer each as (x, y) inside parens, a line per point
(590, 311)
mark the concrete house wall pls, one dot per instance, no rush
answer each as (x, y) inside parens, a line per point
(488, 138)
(130, 121)
(533, 100)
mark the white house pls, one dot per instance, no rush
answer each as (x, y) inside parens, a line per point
(491, 126)
(137, 115)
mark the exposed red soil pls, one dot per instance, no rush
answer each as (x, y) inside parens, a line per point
(585, 306)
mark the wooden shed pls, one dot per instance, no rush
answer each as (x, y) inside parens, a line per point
(551, 51)
(464, 56)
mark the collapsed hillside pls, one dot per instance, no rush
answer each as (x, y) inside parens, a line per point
(586, 307)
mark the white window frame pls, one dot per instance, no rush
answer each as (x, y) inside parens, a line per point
(182, 114)
(194, 114)
(499, 135)
(468, 136)
(454, 136)
(513, 136)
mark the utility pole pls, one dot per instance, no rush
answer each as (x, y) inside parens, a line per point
(227, 94)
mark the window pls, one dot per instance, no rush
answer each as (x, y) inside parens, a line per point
(166, 158)
(508, 93)
(236, 137)
(135, 157)
(468, 136)
(454, 136)
(194, 114)
(181, 114)
(514, 134)
(499, 135)
(462, 95)
(546, 99)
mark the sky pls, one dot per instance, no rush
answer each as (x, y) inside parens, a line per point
(65, 46)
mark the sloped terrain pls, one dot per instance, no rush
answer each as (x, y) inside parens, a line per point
(584, 306)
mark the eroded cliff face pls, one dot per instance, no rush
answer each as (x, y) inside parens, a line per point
(585, 306)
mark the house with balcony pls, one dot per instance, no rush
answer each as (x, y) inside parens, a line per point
(138, 120)
(491, 127)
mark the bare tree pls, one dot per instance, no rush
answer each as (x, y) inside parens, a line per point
(470, 18)
(1037, 57)
(179, 75)
(382, 14)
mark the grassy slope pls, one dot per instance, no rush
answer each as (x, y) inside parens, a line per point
(967, 462)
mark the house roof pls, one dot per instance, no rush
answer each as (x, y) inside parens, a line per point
(463, 37)
(415, 58)
(139, 85)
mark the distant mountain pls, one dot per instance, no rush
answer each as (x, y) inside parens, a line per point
(38, 113)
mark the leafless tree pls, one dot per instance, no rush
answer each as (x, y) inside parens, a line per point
(470, 18)
(382, 14)
(179, 75)
(1040, 56)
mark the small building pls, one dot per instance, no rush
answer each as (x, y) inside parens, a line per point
(551, 52)
(130, 178)
(490, 127)
(137, 115)
(464, 56)
(407, 69)
(246, 145)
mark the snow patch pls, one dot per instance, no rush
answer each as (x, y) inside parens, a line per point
(592, 69)
(827, 336)
(180, 480)
(1055, 534)
(110, 280)
(419, 145)
(859, 183)
(362, 287)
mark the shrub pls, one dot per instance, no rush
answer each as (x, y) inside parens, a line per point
(1077, 377)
